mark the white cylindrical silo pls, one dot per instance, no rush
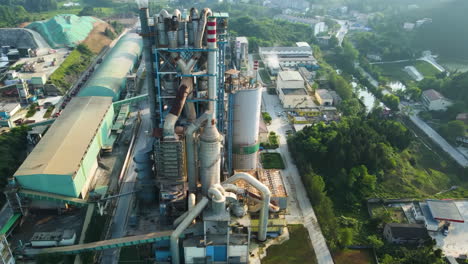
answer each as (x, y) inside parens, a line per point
(246, 118)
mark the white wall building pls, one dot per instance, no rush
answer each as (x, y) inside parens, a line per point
(291, 90)
(277, 58)
(435, 101)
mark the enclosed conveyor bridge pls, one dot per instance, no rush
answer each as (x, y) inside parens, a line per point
(101, 245)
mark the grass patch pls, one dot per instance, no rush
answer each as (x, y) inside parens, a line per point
(297, 249)
(32, 110)
(49, 111)
(272, 161)
(425, 68)
(71, 68)
(395, 71)
(361, 256)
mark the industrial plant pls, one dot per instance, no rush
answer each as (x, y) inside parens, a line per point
(198, 169)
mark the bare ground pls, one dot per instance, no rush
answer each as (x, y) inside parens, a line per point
(96, 39)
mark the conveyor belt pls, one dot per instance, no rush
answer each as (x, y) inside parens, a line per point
(101, 245)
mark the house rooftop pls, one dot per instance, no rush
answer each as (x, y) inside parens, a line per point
(408, 231)
(432, 95)
(325, 94)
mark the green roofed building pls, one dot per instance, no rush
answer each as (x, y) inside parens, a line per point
(65, 160)
(111, 76)
(64, 30)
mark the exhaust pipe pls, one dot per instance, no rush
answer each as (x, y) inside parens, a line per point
(190, 147)
(176, 109)
(212, 67)
(266, 197)
(192, 214)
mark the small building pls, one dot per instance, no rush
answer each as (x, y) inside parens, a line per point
(53, 239)
(8, 109)
(277, 58)
(324, 97)
(463, 117)
(295, 98)
(289, 79)
(435, 101)
(405, 233)
(300, 120)
(262, 131)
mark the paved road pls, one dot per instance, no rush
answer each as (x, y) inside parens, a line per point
(454, 153)
(342, 31)
(119, 224)
(294, 182)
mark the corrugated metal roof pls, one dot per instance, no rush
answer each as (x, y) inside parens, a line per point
(64, 145)
(290, 76)
(110, 75)
(445, 210)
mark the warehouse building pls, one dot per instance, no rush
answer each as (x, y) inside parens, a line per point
(65, 160)
(110, 77)
(291, 90)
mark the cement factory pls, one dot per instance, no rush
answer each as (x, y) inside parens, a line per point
(198, 169)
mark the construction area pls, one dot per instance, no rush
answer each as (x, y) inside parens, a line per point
(31, 55)
(169, 162)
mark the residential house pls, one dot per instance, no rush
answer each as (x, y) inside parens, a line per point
(435, 101)
(463, 117)
(405, 233)
(324, 97)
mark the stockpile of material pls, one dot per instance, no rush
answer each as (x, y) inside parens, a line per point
(64, 30)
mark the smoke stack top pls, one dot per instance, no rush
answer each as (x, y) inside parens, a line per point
(142, 3)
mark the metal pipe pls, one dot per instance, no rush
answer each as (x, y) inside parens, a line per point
(190, 150)
(210, 156)
(163, 15)
(148, 55)
(194, 20)
(176, 109)
(212, 65)
(192, 214)
(266, 197)
(218, 199)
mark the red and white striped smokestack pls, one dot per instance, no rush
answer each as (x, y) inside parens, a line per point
(212, 65)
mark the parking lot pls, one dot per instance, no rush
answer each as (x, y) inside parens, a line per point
(455, 244)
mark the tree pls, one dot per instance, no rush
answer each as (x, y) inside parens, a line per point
(346, 237)
(351, 107)
(454, 129)
(375, 241)
(392, 101)
(266, 117)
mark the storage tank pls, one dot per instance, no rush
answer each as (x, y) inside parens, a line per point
(246, 117)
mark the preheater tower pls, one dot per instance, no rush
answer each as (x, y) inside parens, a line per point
(246, 118)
